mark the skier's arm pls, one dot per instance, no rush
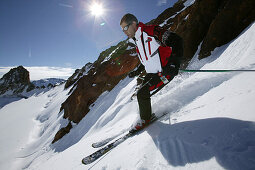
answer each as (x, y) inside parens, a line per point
(137, 71)
(161, 35)
(170, 39)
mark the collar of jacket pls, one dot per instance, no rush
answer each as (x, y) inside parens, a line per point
(139, 30)
(141, 25)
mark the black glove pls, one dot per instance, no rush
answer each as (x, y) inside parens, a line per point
(132, 74)
(140, 68)
(170, 69)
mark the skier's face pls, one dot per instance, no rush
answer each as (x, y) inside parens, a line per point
(129, 29)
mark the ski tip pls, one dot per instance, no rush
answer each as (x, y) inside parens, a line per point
(85, 161)
(133, 131)
(98, 145)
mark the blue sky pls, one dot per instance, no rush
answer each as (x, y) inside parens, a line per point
(63, 33)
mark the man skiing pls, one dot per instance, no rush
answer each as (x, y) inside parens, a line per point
(159, 52)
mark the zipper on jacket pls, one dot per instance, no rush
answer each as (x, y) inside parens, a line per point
(137, 50)
(149, 44)
(144, 47)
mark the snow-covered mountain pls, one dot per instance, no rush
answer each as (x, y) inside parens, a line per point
(15, 81)
(209, 125)
(16, 85)
(49, 82)
(210, 116)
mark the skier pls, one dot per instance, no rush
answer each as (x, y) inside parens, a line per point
(159, 52)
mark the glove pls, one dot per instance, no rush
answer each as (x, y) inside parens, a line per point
(140, 68)
(170, 69)
(132, 74)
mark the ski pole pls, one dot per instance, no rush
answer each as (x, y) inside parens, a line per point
(183, 70)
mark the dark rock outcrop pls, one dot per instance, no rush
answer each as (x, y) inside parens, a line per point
(16, 80)
(78, 74)
(102, 76)
(211, 23)
(233, 17)
(62, 132)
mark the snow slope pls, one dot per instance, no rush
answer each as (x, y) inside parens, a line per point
(210, 122)
(10, 95)
(27, 124)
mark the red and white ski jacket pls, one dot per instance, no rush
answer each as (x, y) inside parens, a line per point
(151, 50)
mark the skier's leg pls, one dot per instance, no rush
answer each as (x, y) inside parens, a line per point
(149, 88)
(144, 102)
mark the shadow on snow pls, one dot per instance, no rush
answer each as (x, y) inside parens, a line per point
(230, 141)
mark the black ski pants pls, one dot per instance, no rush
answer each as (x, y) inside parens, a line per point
(146, 91)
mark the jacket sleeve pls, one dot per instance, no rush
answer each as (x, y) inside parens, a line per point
(170, 39)
(160, 34)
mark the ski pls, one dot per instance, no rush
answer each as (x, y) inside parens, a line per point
(99, 153)
(105, 141)
(94, 156)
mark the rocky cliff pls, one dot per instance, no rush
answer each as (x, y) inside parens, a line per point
(209, 23)
(103, 75)
(15, 81)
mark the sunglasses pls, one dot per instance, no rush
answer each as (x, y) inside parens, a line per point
(126, 27)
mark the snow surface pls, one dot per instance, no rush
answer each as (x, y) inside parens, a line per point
(210, 122)
(4, 100)
(10, 96)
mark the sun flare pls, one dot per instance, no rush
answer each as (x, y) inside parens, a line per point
(97, 9)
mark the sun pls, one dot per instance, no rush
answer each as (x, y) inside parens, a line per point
(97, 9)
